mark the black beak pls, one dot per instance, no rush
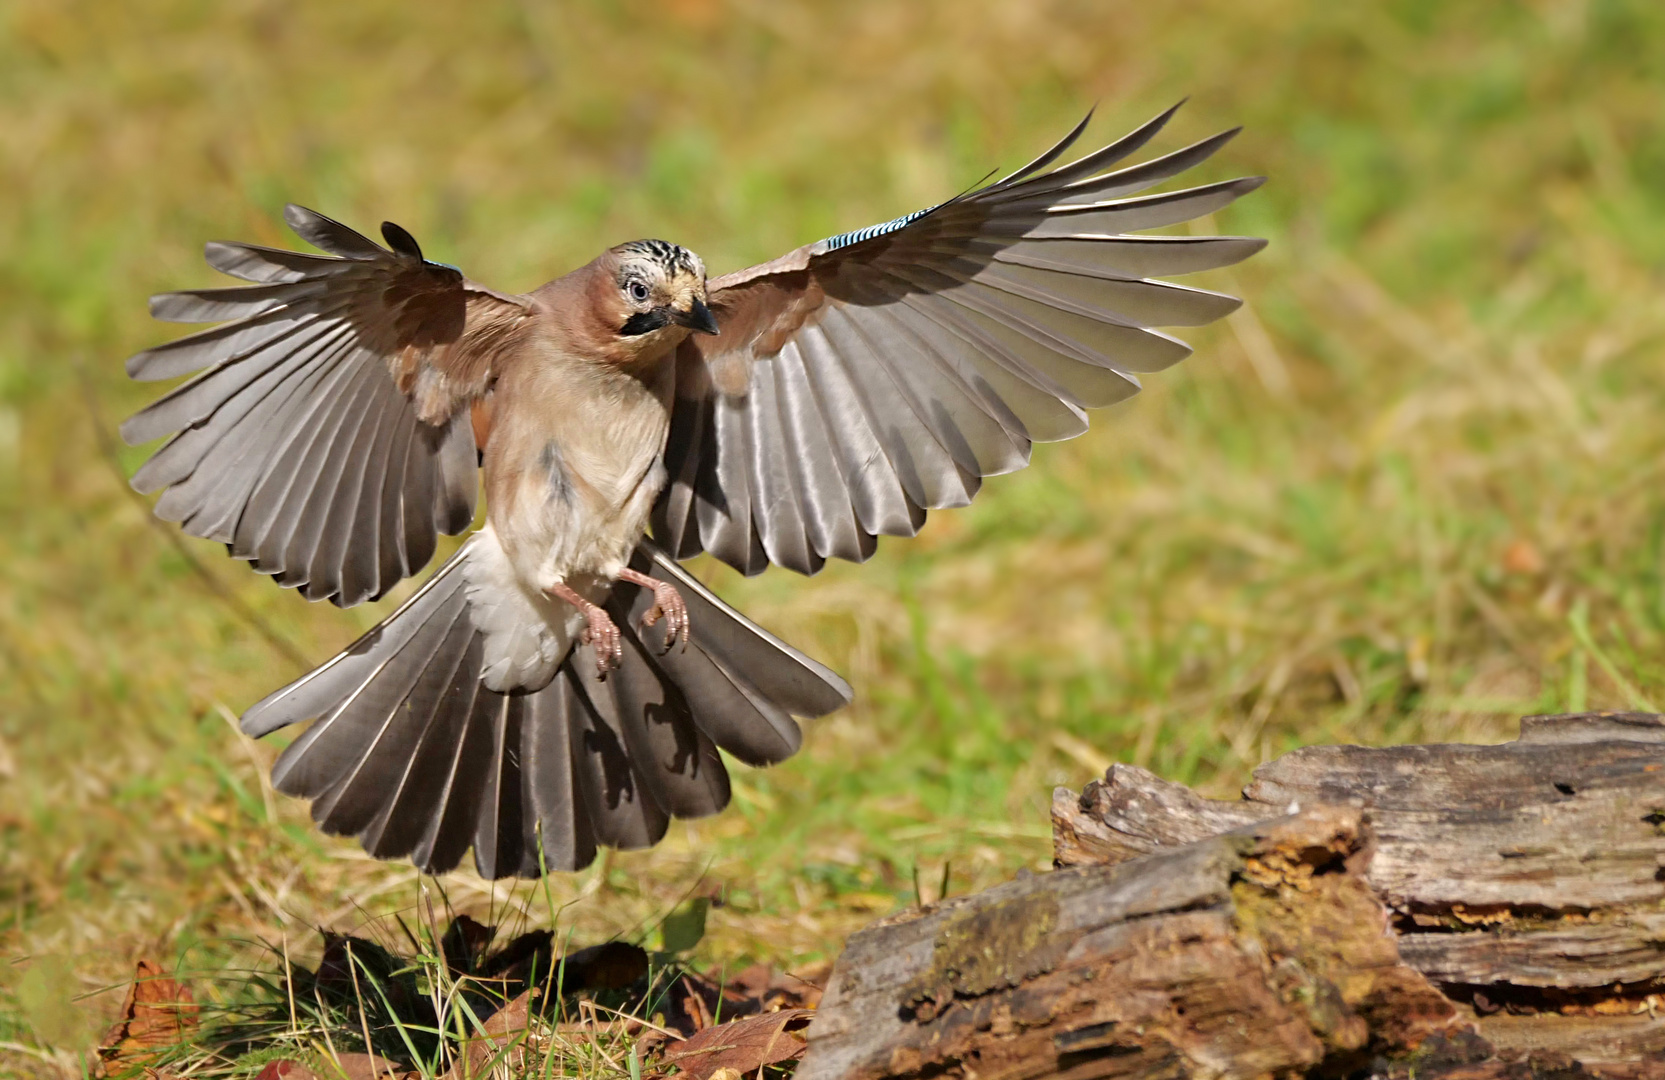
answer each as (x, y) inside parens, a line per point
(697, 318)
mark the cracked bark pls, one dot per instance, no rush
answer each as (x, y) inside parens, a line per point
(1436, 911)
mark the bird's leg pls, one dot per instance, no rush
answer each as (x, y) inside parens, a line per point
(599, 629)
(667, 604)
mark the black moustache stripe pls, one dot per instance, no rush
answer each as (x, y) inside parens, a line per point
(644, 322)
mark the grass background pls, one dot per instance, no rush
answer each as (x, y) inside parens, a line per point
(1410, 493)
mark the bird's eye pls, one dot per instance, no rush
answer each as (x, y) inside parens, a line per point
(638, 291)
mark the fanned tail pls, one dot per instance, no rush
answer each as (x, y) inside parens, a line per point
(415, 756)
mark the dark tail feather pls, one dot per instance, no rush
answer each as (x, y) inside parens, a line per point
(414, 756)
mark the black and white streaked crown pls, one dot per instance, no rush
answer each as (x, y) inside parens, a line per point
(672, 258)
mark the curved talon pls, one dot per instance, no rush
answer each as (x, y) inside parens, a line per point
(600, 632)
(667, 604)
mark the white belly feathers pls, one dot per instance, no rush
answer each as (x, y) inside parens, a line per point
(527, 634)
(574, 511)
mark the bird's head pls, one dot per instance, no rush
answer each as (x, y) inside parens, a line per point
(654, 296)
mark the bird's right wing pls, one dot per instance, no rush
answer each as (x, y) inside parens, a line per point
(328, 439)
(859, 381)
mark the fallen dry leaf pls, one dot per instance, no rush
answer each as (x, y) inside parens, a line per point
(745, 1045)
(157, 1013)
(368, 1067)
(504, 1028)
(285, 1069)
(694, 1003)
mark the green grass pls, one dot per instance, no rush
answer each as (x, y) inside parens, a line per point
(1410, 493)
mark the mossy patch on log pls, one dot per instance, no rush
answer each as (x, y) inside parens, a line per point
(985, 949)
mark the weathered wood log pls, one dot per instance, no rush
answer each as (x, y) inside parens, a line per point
(1261, 951)
(1526, 880)
(1133, 812)
(1309, 929)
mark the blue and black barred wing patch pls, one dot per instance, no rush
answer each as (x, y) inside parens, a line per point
(844, 240)
(862, 380)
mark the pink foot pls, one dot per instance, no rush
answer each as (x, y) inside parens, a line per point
(599, 630)
(667, 604)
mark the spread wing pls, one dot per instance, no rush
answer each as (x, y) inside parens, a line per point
(327, 439)
(859, 381)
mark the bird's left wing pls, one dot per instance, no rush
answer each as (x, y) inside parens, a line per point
(859, 381)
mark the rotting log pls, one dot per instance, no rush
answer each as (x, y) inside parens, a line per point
(1526, 880)
(1435, 911)
(1260, 951)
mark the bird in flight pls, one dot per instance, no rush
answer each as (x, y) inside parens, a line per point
(561, 682)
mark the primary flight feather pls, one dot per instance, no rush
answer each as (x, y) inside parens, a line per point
(623, 417)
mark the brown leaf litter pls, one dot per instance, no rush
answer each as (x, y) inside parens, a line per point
(157, 1013)
(744, 1045)
(747, 1022)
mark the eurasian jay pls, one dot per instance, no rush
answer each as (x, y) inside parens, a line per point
(626, 417)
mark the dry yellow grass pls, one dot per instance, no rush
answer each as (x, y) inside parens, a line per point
(1410, 493)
